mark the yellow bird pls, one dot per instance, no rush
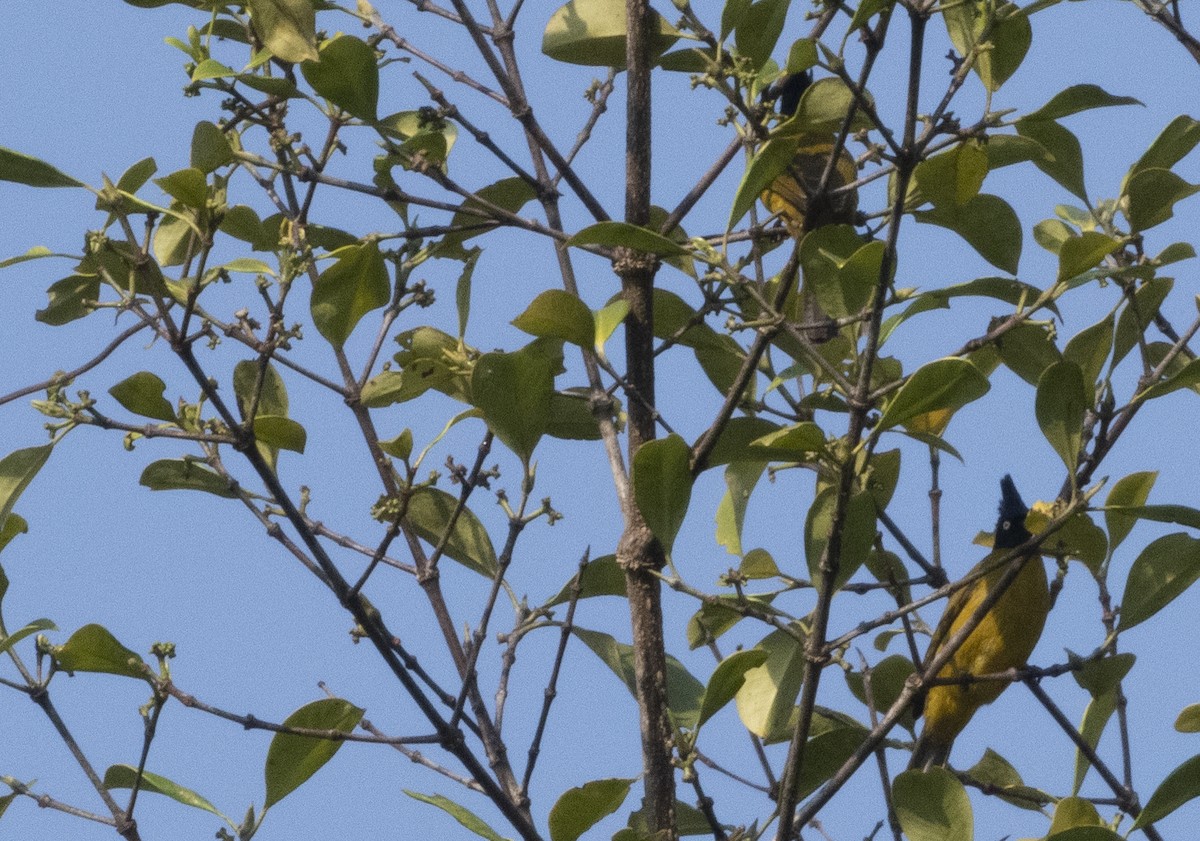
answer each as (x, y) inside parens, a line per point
(795, 194)
(1003, 640)
(791, 192)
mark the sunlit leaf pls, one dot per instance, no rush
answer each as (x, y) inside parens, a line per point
(662, 485)
(142, 394)
(933, 806)
(1164, 570)
(292, 759)
(580, 808)
(94, 649)
(126, 776)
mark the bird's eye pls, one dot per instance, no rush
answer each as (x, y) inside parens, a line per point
(1006, 525)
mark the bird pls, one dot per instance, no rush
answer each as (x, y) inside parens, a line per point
(795, 195)
(1005, 638)
(790, 195)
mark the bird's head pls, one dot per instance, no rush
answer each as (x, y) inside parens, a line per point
(788, 91)
(1010, 527)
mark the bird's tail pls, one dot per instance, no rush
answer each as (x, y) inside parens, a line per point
(928, 752)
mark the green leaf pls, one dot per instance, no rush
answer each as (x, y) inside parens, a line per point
(1072, 812)
(210, 150)
(792, 443)
(987, 223)
(662, 485)
(582, 807)
(35, 253)
(142, 394)
(888, 677)
(292, 759)
(1175, 142)
(592, 33)
(601, 577)
(1090, 349)
(1152, 195)
(768, 693)
(735, 443)
(185, 475)
(1189, 719)
(460, 813)
(134, 178)
(571, 416)
(1079, 98)
(824, 754)
(14, 525)
(1187, 376)
(399, 447)
(994, 770)
(1079, 538)
(858, 534)
(93, 649)
(187, 186)
(771, 159)
(429, 512)
(510, 194)
(287, 27)
(1086, 833)
(280, 432)
(952, 178)
(1062, 401)
(933, 806)
(1063, 160)
(349, 289)
(17, 470)
(727, 680)
(1028, 349)
(759, 29)
(1138, 314)
(840, 269)
(126, 776)
(559, 315)
(1134, 490)
(1078, 254)
(683, 690)
(1164, 570)
(36, 626)
(1010, 38)
(1180, 786)
(740, 479)
(608, 319)
(513, 390)
(1100, 677)
(949, 383)
(32, 172)
(1180, 515)
(347, 75)
(624, 235)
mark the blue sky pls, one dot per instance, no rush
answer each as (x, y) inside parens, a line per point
(99, 91)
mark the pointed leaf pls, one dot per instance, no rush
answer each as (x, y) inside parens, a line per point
(683, 690)
(126, 776)
(142, 394)
(727, 679)
(1063, 160)
(1079, 98)
(514, 391)
(559, 315)
(601, 577)
(933, 806)
(1133, 489)
(292, 759)
(349, 289)
(32, 172)
(582, 807)
(942, 384)
(1062, 401)
(185, 475)
(592, 33)
(429, 512)
(1164, 570)
(210, 150)
(34, 627)
(1152, 195)
(1180, 786)
(280, 432)
(662, 485)
(287, 27)
(988, 224)
(93, 649)
(17, 470)
(462, 814)
(346, 74)
(1078, 254)
(768, 692)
